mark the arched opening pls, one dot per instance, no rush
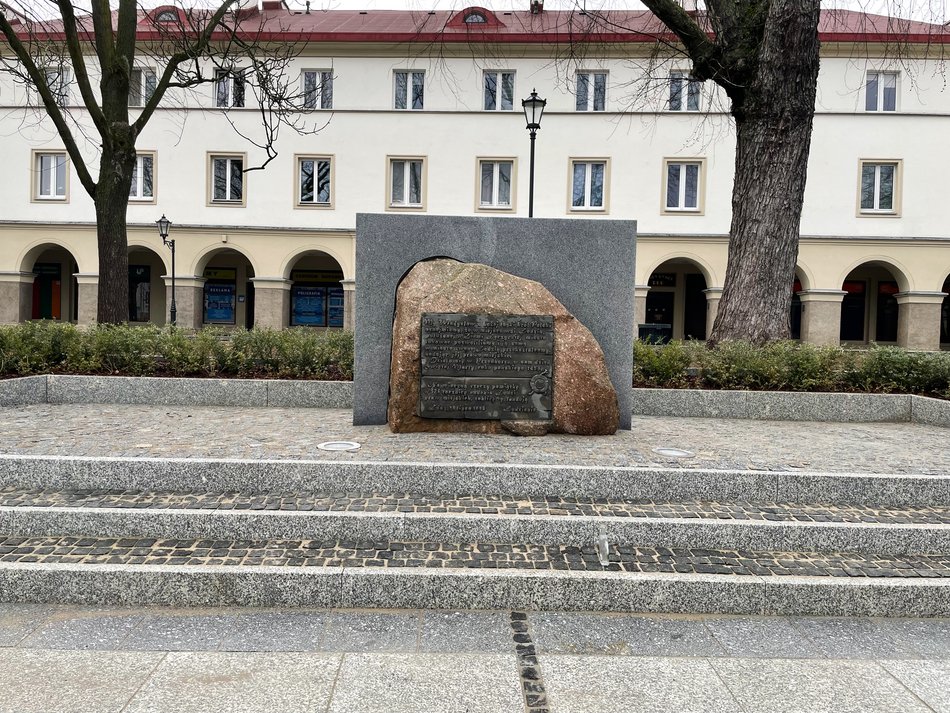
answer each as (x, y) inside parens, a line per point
(945, 316)
(55, 292)
(676, 302)
(869, 309)
(228, 290)
(316, 292)
(146, 286)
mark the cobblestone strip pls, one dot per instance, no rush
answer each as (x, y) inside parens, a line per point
(312, 553)
(478, 505)
(532, 683)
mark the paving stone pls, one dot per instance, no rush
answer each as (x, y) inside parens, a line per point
(928, 637)
(854, 638)
(273, 631)
(761, 637)
(372, 632)
(480, 632)
(227, 432)
(19, 620)
(189, 631)
(473, 504)
(929, 680)
(423, 683)
(245, 682)
(569, 633)
(84, 628)
(36, 681)
(802, 686)
(591, 684)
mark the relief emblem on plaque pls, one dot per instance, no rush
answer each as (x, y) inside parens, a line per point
(483, 366)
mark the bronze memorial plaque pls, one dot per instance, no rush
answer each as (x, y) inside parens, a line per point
(486, 366)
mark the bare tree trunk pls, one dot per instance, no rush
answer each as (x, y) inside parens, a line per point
(773, 138)
(111, 201)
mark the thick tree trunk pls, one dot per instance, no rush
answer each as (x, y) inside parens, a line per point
(112, 201)
(773, 137)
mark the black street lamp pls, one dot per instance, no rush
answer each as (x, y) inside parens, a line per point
(533, 109)
(163, 224)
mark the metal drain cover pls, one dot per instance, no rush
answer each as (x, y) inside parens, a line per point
(673, 452)
(339, 446)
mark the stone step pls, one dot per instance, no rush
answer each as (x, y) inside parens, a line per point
(544, 521)
(468, 576)
(446, 479)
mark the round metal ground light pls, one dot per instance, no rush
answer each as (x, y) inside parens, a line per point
(339, 446)
(673, 452)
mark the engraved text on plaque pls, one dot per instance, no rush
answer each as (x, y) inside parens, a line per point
(482, 366)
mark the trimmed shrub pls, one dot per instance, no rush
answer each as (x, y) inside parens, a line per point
(52, 347)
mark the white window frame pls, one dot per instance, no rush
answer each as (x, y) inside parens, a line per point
(688, 90)
(298, 181)
(876, 212)
(37, 170)
(230, 158)
(680, 208)
(404, 203)
(322, 97)
(227, 78)
(499, 75)
(494, 206)
(58, 79)
(142, 87)
(877, 97)
(591, 81)
(138, 178)
(408, 97)
(588, 185)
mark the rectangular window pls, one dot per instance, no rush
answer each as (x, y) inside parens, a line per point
(57, 79)
(881, 92)
(879, 187)
(227, 179)
(314, 181)
(50, 176)
(683, 186)
(499, 91)
(408, 90)
(229, 88)
(143, 176)
(317, 89)
(587, 185)
(141, 85)
(591, 91)
(684, 93)
(405, 185)
(494, 184)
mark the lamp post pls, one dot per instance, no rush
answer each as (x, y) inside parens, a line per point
(533, 109)
(163, 224)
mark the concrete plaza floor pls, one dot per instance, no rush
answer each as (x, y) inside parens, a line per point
(68, 659)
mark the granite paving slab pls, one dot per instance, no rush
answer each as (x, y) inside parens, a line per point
(928, 637)
(170, 632)
(589, 684)
(92, 628)
(464, 631)
(34, 681)
(807, 686)
(423, 683)
(763, 637)
(838, 637)
(17, 621)
(259, 433)
(361, 632)
(245, 682)
(928, 680)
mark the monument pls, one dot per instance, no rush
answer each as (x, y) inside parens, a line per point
(493, 324)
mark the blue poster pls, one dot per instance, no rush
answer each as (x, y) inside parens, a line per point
(308, 306)
(336, 306)
(219, 303)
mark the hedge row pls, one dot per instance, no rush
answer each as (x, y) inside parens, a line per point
(55, 348)
(790, 366)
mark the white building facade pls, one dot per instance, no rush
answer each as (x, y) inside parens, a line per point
(422, 112)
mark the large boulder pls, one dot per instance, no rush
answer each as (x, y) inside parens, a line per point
(584, 400)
